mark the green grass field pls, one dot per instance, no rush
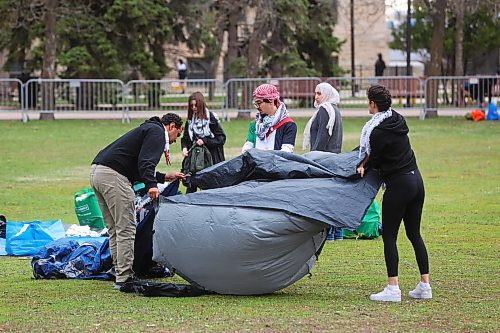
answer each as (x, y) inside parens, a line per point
(44, 163)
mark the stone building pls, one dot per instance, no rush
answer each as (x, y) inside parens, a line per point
(370, 35)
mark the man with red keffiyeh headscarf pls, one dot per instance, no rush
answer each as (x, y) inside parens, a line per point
(273, 128)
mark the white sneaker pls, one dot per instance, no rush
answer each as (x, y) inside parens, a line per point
(421, 291)
(389, 294)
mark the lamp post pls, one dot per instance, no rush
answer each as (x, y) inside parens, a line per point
(408, 51)
(353, 69)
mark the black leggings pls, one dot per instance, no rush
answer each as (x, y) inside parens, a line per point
(403, 199)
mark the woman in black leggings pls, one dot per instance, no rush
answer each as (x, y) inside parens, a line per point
(385, 144)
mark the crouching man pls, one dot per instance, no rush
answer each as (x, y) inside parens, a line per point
(130, 158)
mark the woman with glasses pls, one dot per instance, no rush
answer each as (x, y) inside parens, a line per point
(385, 145)
(202, 128)
(273, 128)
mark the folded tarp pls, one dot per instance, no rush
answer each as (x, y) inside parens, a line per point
(261, 219)
(73, 258)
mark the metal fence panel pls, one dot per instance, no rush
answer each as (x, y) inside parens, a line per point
(74, 95)
(171, 95)
(448, 93)
(451, 95)
(11, 95)
(406, 91)
(296, 92)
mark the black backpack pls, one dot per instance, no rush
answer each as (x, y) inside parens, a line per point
(198, 158)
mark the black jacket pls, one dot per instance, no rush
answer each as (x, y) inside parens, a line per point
(391, 151)
(215, 145)
(136, 153)
(320, 138)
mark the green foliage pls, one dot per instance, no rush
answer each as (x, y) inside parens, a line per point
(237, 68)
(19, 26)
(421, 33)
(480, 32)
(125, 38)
(306, 36)
(100, 39)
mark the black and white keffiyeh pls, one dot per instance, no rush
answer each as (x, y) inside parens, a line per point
(263, 124)
(199, 128)
(364, 141)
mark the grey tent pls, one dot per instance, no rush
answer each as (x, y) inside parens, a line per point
(261, 219)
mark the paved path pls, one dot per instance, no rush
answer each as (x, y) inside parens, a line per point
(298, 113)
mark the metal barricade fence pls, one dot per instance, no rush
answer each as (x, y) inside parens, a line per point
(296, 92)
(448, 93)
(407, 91)
(11, 95)
(172, 95)
(451, 95)
(74, 95)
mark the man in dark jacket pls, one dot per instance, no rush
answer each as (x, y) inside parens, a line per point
(130, 158)
(379, 66)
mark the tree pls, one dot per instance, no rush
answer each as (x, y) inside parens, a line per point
(300, 40)
(459, 37)
(452, 37)
(96, 39)
(480, 33)
(49, 59)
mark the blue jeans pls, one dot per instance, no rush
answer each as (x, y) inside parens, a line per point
(335, 233)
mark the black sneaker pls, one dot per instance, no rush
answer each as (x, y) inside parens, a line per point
(119, 285)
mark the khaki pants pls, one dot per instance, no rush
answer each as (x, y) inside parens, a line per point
(116, 199)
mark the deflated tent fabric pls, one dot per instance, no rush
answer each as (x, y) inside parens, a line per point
(261, 219)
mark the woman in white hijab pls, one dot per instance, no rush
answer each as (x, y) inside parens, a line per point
(324, 130)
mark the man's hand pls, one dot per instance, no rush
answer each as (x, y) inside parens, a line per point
(185, 152)
(200, 142)
(170, 177)
(153, 193)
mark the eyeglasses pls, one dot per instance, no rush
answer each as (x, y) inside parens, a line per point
(258, 103)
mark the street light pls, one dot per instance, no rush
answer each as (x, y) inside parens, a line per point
(408, 50)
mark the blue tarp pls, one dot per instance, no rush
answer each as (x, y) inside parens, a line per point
(2, 247)
(25, 238)
(73, 257)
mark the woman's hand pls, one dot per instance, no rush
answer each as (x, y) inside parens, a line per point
(200, 142)
(361, 167)
(185, 152)
(361, 170)
(170, 177)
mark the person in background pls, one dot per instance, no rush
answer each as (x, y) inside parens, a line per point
(202, 128)
(385, 144)
(181, 73)
(324, 131)
(130, 158)
(379, 66)
(273, 128)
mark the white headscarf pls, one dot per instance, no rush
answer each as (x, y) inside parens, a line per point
(330, 96)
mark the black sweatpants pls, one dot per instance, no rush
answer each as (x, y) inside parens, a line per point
(403, 200)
